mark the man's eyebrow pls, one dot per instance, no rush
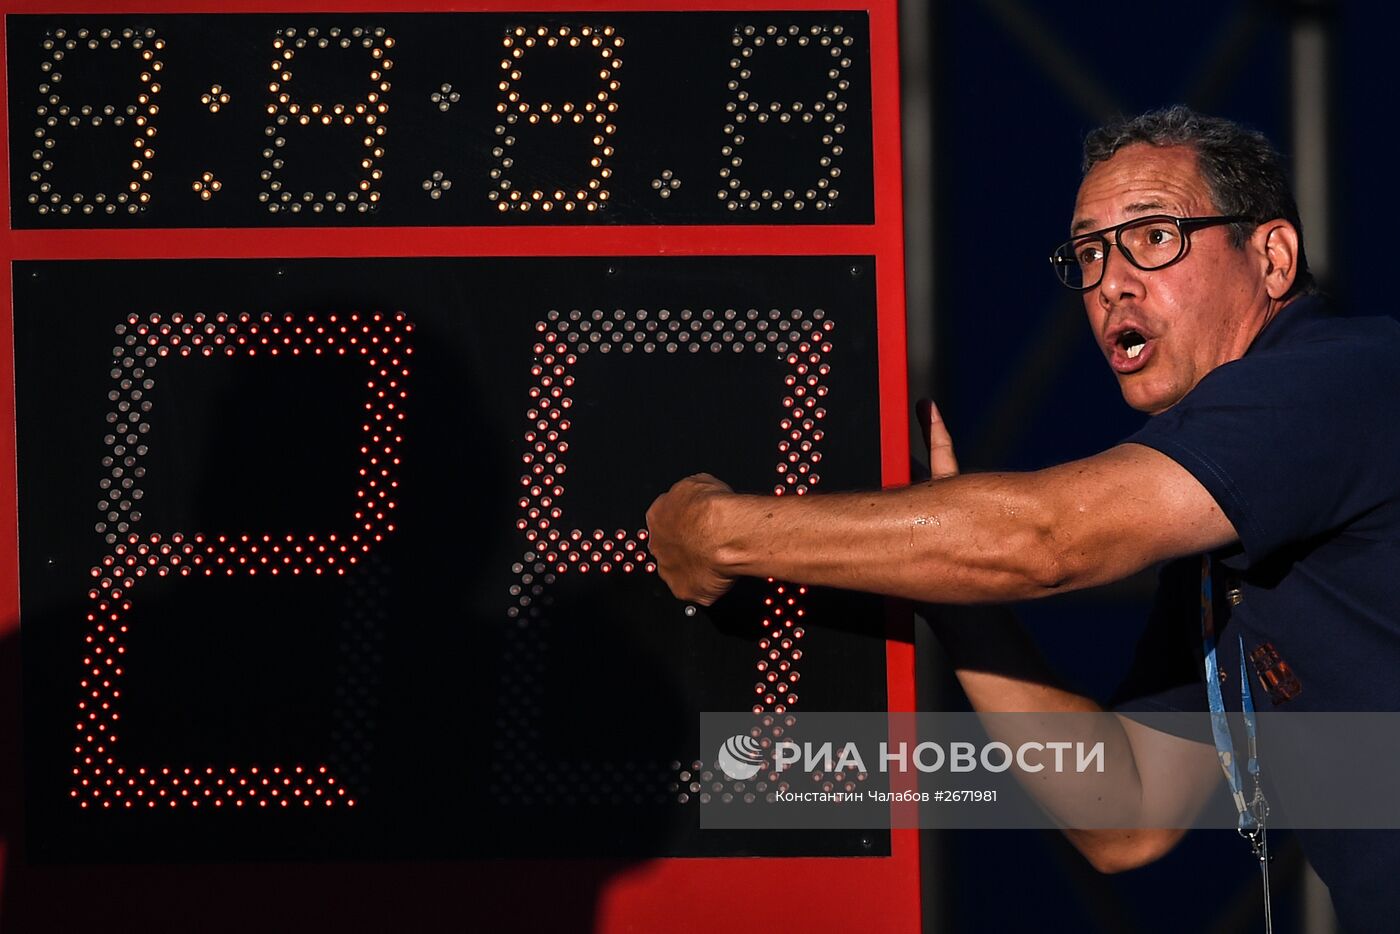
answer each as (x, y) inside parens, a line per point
(1142, 207)
(1137, 207)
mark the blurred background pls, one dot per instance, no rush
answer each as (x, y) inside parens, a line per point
(997, 97)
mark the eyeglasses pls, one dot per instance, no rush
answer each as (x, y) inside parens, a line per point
(1147, 242)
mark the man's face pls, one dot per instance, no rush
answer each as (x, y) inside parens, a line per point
(1195, 314)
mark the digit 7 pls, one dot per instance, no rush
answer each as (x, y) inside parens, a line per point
(101, 777)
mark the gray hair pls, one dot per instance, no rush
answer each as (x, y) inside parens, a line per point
(1242, 170)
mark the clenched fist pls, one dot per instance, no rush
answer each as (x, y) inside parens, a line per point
(685, 536)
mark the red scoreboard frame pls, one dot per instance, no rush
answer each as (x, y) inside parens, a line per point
(732, 894)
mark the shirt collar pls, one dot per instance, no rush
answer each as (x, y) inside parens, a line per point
(1294, 317)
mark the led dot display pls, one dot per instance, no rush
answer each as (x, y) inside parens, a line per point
(382, 520)
(445, 97)
(336, 119)
(825, 116)
(61, 118)
(332, 449)
(206, 186)
(215, 98)
(802, 340)
(288, 114)
(437, 184)
(593, 114)
(665, 183)
(378, 341)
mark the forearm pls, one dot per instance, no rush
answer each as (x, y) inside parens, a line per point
(966, 539)
(974, 538)
(1001, 671)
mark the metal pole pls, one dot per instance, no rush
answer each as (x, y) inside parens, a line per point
(916, 69)
(1312, 144)
(1312, 138)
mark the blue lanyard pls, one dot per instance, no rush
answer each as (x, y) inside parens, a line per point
(1219, 725)
(1253, 811)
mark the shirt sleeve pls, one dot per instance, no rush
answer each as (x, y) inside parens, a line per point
(1289, 443)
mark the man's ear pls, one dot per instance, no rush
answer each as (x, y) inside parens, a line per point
(1277, 241)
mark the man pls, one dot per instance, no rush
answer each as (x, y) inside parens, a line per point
(1268, 450)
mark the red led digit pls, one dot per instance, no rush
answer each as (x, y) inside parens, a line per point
(134, 119)
(801, 338)
(366, 116)
(746, 116)
(377, 340)
(594, 116)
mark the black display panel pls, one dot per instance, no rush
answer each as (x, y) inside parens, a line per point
(250, 120)
(345, 558)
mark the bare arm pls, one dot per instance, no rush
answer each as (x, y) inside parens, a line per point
(1001, 671)
(966, 539)
(989, 537)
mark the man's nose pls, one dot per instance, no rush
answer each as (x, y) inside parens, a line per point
(1121, 279)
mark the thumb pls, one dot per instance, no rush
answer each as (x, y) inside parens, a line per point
(942, 461)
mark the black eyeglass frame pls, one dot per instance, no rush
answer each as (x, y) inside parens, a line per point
(1184, 225)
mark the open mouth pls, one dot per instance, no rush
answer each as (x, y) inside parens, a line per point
(1129, 350)
(1131, 343)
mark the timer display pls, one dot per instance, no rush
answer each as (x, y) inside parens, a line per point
(346, 557)
(345, 350)
(253, 120)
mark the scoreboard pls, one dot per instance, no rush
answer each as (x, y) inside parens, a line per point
(447, 119)
(345, 350)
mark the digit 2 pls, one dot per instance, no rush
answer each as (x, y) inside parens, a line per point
(101, 778)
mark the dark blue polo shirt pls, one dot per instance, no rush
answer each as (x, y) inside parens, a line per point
(1297, 443)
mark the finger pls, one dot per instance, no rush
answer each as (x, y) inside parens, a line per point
(708, 593)
(923, 414)
(942, 461)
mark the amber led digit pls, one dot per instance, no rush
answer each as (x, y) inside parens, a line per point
(57, 111)
(593, 115)
(288, 110)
